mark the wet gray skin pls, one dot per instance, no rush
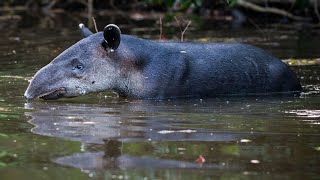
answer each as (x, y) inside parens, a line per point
(139, 68)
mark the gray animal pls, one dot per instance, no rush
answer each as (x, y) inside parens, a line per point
(139, 68)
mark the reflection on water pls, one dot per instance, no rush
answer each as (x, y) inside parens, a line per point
(307, 113)
(249, 135)
(100, 160)
(141, 120)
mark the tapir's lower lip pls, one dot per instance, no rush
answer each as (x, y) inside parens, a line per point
(54, 94)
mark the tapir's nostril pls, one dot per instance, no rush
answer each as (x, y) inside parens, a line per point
(27, 98)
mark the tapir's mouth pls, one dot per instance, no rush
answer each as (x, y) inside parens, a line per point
(55, 94)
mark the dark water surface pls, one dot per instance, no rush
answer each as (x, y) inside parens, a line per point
(103, 137)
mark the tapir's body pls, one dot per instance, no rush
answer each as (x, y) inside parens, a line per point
(194, 69)
(141, 68)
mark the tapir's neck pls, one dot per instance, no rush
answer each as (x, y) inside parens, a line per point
(130, 85)
(131, 79)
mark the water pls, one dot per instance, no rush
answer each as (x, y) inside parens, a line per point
(101, 136)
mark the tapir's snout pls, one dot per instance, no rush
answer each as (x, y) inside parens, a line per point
(47, 95)
(28, 96)
(45, 85)
(31, 92)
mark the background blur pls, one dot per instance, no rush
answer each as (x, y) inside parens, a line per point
(235, 13)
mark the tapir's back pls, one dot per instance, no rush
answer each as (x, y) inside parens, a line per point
(199, 69)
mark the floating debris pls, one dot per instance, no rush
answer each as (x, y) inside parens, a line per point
(178, 131)
(245, 140)
(302, 62)
(254, 161)
(200, 160)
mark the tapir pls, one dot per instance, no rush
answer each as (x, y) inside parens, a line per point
(147, 69)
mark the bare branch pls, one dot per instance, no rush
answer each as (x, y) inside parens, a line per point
(316, 11)
(160, 28)
(178, 23)
(184, 30)
(90, 12)
(255, 7)
(95, 24)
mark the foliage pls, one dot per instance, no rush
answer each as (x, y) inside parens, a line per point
(299, 10)
(167, 3)
(302, 4)
(232, 2)
(183, 4)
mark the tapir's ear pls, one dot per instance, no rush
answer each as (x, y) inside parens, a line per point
(85, 32)
(111, 34)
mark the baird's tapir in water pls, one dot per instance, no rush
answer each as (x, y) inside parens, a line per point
(139, 68)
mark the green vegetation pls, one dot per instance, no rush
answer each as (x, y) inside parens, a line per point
(298, 10)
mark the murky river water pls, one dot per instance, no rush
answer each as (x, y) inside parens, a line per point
(101, 136)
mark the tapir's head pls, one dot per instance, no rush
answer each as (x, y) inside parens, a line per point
(87, 66)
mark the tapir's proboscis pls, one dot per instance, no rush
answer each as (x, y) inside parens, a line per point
(147, 69)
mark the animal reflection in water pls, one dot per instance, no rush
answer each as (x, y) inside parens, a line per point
(110, 127)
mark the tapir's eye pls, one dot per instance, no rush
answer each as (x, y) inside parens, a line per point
(78, 66)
